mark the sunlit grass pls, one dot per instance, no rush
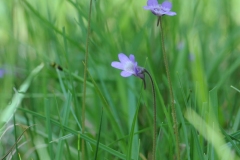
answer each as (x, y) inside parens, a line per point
(202, 43)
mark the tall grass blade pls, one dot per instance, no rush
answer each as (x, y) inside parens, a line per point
(107, 107)
(233, 143)
(131, 135)
(10, 150)
(64, 122)
(8, 111)
(213, 136)
(49, 24)
(49, 128)
(99, 134)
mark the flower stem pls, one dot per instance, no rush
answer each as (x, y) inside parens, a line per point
(154, 116)
(85, 78)
(174, 116)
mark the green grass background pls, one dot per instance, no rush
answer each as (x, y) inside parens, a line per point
(203, 46)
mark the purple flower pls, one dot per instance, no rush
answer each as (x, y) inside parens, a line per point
(2, 72)
(191, 57)
(129, 66)
(160, 9)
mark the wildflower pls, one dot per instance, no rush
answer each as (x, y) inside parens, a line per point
(129, 66)
(160, 9)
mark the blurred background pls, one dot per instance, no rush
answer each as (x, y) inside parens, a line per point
(203, 46)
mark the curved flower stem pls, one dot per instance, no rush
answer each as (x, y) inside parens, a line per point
(85, 79)
(154, 116)
(174, 116)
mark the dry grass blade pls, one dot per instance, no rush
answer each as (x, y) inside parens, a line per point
(10, 150)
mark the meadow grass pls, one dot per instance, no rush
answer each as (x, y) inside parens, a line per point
(43, 49)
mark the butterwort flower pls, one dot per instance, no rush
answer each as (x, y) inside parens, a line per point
(129, 66)
(160, 9)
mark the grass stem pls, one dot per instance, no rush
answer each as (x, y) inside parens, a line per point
(85, 78)
(174, 115)
(154, 116)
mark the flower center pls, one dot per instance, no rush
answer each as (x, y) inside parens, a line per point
(129, 67)
(164, 9)
(157, 8)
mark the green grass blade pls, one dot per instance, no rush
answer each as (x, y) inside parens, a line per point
(107, 107)
(49, 128)
(213, 103)
(8, 112)
(228, 73)
(18, 139)
(131, 109)
(130, 139)
(76, 133)
(236, 122)
(162, 105)
(235, 89)
(98, 138)
(49, 24)
(197, 144)
(211, 135)
(236, 148)
(65, 115)
(15, 135)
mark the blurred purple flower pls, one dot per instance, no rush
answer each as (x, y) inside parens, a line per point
(129, 66)
(160, 9)
(180, 45)
(2, 72)
(191, 57)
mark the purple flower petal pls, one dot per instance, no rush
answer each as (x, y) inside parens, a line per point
(117, 65)
(125, 74)
(170, 13)
(2, 72)
(123, 58)
(152, 2)
(167, 4)
(132, 58)
(148, 7)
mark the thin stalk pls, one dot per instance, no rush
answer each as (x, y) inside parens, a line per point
(154, 116)
(85, 78)
(174, 115)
